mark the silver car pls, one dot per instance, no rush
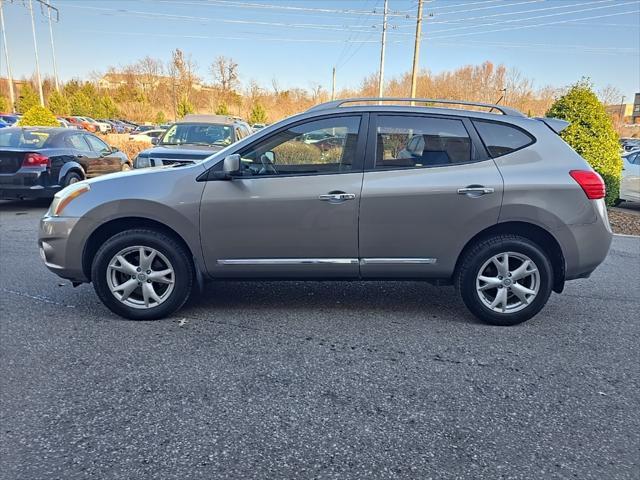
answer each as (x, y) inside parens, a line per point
(494, 203)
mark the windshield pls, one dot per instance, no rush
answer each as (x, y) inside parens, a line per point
(22, 138)
(198, 134)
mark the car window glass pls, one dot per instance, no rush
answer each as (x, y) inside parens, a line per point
(316, 147)
(77, 142)
(23, 138)
(415, 142)
(97, 145)
(199, 134)
(501, 139)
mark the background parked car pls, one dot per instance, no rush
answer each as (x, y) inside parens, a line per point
(36, 162)
(630, 180)
(629, 144)
(83, 123)
(66, 124)
(192, 139)
(9, 118)
(147, 136)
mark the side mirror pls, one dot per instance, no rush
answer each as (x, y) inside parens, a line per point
(155, 140)
(114, 149)
(230, 167)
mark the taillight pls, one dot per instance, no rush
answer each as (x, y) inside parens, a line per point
(36, 160)
(591, 183)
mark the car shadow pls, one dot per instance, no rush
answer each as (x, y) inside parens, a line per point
(396, 298)
(24, 205)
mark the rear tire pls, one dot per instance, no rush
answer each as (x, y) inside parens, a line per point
(505, 279)
(71, 178)
(142, 274)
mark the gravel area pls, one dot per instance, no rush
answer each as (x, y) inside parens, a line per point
(625, 221)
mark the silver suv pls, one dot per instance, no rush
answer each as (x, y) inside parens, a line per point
(493, 203)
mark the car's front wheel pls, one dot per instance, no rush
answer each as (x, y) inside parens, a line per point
(505, 279)
(142, 274)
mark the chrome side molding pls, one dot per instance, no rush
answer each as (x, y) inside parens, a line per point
(327, 261)
(397, 261)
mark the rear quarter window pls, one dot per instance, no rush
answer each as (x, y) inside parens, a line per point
(501, 138)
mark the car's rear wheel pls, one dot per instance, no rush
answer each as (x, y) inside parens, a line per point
(142, 274)
(71, 178)
(505, 279)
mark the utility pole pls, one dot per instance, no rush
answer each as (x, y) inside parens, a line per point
(622, 110)
(384, 41)
(12, 96)
(333, 85)
(53, 50)
(35, 47)
(416, 52)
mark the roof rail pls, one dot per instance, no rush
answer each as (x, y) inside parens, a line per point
(337, 103)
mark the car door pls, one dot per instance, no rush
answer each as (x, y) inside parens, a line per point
(293, 209)
(106, 159)
(84, 155)
(428, 187)
(630, 181)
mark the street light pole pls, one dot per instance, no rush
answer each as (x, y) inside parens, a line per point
(12, 96)
(53, 50)
(35, 47)
(384, 40)
(333, 84)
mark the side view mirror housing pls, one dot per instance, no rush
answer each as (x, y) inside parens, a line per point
(230, 167)
(114, 149)
(155, 141)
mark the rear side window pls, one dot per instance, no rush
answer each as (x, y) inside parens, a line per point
(420, 142)
(500, 138)
(77, 142)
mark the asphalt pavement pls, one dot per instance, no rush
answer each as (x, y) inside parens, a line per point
(298, 380)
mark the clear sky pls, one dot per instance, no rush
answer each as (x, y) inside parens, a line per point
(553, 42)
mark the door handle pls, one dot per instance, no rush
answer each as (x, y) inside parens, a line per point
(473, 191)
(337, 197)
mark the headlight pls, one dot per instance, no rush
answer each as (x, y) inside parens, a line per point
(65, 196)
(141, 162)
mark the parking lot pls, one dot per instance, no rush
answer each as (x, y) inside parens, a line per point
(315, 379)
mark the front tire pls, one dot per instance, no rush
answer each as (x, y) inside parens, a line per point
(505, 279)
(142, 274)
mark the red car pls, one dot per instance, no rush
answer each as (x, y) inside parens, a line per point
(83, 123)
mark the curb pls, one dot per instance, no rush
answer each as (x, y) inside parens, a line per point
(625, 235)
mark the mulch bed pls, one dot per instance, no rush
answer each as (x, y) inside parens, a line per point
(624, 222)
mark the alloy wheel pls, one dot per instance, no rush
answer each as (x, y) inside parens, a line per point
(508, 282)
(140, 277)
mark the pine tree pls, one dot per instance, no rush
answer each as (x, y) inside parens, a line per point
(28, 98)
(59, 104)
(222, 109)
(258, 114)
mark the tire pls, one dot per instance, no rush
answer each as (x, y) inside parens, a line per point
(123, 286)
(617, 202)
(70, 178)
(486, 259)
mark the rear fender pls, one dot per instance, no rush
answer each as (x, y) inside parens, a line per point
(67, 167)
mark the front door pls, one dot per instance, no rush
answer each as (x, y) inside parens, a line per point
(428, 187)
(293, 209)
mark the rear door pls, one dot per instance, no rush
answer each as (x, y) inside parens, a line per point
(428, 187)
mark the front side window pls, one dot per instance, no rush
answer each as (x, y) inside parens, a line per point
(316, 147)
(415, 142)
(97, 145)
(500, 138)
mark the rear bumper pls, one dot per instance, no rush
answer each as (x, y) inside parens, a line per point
(27, 184)
(588, 244)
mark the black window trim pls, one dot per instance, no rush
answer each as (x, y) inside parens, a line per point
(356, 167)
(478, 150)
(507, 124)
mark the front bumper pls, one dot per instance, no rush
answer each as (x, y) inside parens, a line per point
(58, 249)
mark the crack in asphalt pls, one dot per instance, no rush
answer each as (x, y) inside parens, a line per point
(40, 298)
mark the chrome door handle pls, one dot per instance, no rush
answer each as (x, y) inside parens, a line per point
(337, 197)
(475, 191)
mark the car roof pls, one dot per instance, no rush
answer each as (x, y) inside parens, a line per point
(214, 119)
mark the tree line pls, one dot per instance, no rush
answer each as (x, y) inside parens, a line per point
(151, 90)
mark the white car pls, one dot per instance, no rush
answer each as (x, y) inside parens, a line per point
(630, 181)
(101, 126)
(146, 136)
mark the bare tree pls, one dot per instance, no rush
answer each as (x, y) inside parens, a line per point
(610, 95)
(225, 74)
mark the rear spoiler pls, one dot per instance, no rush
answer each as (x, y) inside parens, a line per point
(554, 124)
